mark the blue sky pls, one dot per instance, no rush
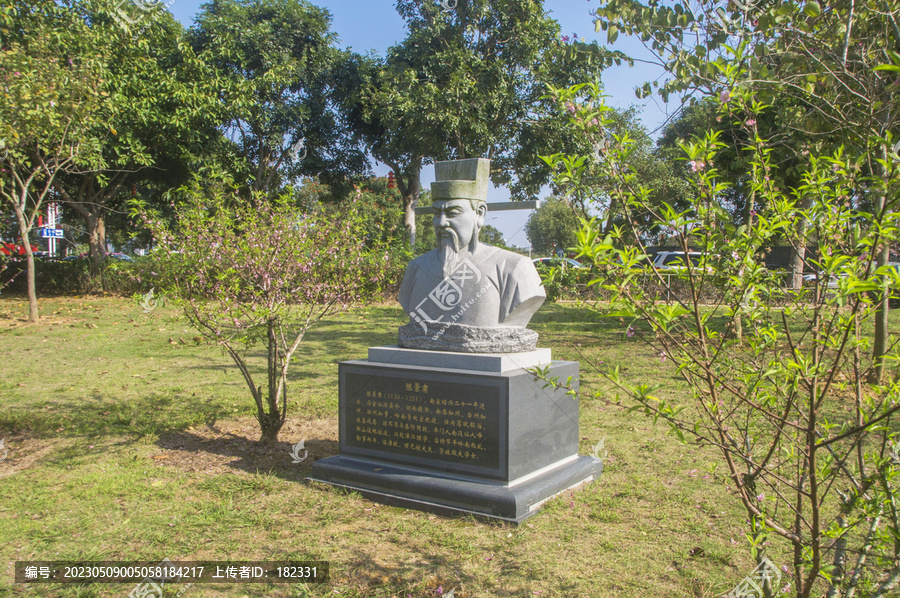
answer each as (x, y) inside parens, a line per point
(365, 25)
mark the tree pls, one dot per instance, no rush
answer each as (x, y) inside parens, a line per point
(810, 450)
(161, 111)
(281, 66)
(830, 71)
(258, 271)
(53, 94)
(492, 236)
(470, 82)
(554, 225)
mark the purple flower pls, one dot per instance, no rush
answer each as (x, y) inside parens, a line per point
(570, 107)
(630, 332)
(725, 95)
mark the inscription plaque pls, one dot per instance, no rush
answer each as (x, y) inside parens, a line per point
(444, 421)
(424, 418)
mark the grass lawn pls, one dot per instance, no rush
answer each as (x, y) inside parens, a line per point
(129, 439)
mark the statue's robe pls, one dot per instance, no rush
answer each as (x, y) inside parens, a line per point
(491, 288)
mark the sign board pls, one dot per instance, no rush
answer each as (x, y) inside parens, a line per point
(52, 233)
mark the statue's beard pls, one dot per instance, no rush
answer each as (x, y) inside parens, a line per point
(449, 250)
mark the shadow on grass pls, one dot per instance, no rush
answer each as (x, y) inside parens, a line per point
(251, 456)
(100, 416)
(364, 569)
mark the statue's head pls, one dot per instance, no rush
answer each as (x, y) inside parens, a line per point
(458, 198)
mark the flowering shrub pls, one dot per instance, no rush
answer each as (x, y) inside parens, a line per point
(262, 273)
(779, 378)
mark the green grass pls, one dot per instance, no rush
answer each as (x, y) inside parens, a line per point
(128, 440)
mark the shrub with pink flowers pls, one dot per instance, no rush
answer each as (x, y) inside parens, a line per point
(263, 273)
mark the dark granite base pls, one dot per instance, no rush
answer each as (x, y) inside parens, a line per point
(496, 444)
(450, 495)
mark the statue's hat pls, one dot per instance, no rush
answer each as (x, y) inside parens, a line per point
(461, 179)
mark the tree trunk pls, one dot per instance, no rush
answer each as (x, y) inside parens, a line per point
(269, 435)
(270, 423)
(32, 291)
(798, 256)
(24, 229)
(91, 200)
(798, 252)
(410, 201)
(96, 227)
(882, 333)
(410, 185)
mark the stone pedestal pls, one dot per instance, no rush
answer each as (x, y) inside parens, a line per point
(457, 433)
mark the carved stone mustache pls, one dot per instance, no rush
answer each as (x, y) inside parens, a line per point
(445, 233)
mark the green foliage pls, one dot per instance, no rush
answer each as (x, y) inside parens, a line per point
(456, 87)
(161, 107)
(262, 272)
(73, 277)
(563, 281)
(53, 94)
(778, 377)
(588, 183)
(282, 78)
(492, 236)
(554, 225)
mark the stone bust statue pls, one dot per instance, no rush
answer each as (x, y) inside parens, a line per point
(467, 296)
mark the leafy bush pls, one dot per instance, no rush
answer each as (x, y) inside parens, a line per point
(73, 277)
(781, 380)
(258, 272)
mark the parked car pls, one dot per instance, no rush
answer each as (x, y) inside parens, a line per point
(675, 260)
(830, 283)
(115, 256)
(557, 262)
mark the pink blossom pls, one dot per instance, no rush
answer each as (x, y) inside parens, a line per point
(750, 122)
(725, 95)
(697, 165)
(630, 332)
